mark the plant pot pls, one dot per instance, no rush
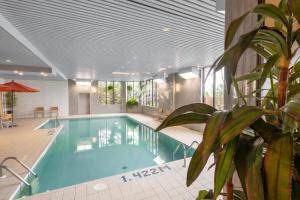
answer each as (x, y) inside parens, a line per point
(133, 109)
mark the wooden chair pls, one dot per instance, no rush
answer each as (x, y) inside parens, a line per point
(6, 120)
(39, 111)
(54, 111)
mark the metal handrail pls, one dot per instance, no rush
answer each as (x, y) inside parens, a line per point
(14, 174)
(184, 150)
(56, 122)
(20, 162)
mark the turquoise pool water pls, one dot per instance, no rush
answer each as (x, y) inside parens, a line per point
(88, 149)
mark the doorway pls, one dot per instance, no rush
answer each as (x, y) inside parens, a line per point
(84, 104)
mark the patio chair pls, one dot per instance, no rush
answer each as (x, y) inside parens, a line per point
(39, 111)
(6, 120)
(54, 111)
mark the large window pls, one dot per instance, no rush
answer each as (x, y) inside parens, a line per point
(145, 92)
(132, 90)
(109, 92)
(219, 90)
(213, 89)
(149, 93)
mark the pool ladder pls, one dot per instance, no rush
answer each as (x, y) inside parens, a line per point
(185, 150)
(15, 174)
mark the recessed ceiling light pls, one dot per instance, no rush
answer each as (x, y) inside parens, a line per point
(42, 73)
(189, 73)
(162, 69)
(166, 29)
(83, 83)
(7, 60)
(21, 73)
(134, 57)
(16, 71)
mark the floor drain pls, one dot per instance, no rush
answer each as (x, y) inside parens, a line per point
(100, 186)
(124, 167)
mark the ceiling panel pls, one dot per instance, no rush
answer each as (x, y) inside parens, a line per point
(15, 52)
(89, 39)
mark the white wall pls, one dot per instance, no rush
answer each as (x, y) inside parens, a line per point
(52, 93)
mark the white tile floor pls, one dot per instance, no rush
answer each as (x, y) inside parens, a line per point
(157, 182)
(152, 183)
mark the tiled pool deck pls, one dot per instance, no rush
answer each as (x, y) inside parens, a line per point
(166, 182)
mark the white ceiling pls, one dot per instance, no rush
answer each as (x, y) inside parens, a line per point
(89, 39)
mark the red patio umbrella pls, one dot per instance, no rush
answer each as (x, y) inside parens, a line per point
(4, 88)
(15, 87)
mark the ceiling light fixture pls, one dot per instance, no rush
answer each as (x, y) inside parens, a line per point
(7, 60)
(16, 71)
(120, 73)
(161, 78)
(166, 29)
(83, 83)
(162, 69)
(189, 73)
(21, 73)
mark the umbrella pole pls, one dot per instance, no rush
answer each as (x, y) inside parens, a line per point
(12, 110)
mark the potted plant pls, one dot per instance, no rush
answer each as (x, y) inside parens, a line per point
(261, 143)
(129, 88)
(110, 88)
(132, 105)
(10, 101)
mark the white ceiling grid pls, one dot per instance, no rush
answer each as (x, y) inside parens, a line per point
(89, 39)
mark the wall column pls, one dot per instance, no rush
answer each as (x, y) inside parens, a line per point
(234, 9)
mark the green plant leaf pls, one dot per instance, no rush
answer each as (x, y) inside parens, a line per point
(264, 129)
(202, 195)
(232, 56)
(187, 118)
(267, 68)
(249, 77)
(295, 73)
(293, 91)
(241, 119)
(238, 92)
(199, 108)
(260, 51)
(223, 165)
(273, 36)
(239, 195)
(254, 180)
(240, 160)
(207, 146)
(292, 108)
(278, 166)
(232, 29)
(269, 10)
(295, 7)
